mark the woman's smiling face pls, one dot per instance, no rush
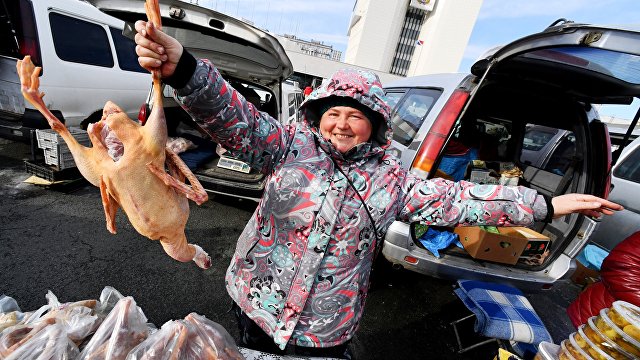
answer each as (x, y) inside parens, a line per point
(345, 127)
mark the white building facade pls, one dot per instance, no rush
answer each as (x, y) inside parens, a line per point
(313, 60)
(410, 37)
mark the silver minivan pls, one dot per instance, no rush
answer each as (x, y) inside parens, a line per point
(625, 190)
(545, 81)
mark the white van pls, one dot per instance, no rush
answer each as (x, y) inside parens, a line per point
(85, 61)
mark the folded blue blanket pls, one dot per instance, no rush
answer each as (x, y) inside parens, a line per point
(502, 312)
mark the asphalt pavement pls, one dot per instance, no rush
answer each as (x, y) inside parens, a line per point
(55, 238)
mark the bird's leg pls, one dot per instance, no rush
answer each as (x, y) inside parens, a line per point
(110, 207)
(194, 192)
(86, 161)
(181, 250)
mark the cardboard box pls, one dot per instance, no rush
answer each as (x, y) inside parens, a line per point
(503, 244)
(583, 275)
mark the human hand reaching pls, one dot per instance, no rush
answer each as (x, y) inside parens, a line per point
(156, 50)
(584, 204)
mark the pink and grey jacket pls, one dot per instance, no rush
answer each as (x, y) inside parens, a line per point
(301, 266)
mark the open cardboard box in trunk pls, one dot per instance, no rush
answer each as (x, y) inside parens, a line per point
(500, 244)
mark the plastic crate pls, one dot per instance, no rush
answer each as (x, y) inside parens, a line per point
(48, 138)
(58, 157)
(50, 173)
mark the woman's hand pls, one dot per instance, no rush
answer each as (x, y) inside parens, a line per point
(585, 204)
(156, 50)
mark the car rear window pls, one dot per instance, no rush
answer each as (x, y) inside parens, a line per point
(623, 66)
(410, 111)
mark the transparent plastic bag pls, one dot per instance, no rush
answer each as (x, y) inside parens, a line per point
(193, 338)
(109, 297)
(123, 329)
(8, 304)
(78, 318)
(215, 337)
(15, 336)
(114, 146)
(176, 340)
(49, 344)
(179, 144)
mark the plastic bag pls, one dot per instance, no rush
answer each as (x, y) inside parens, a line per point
(109, 297)
(123, 329)
(176, 340)
(215, 337)
(8, 319)
(49, 344)
(195, 337)
(78, 318)
(115, 148)
(592, 257)
(179, 144)
(8, 304)
(13, 337)
(435, 240)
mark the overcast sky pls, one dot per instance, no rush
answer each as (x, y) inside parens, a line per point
(499, 21)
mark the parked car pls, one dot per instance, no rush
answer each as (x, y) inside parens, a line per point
(251, 60)
(625, 190)
(85, 61)
(529, 105)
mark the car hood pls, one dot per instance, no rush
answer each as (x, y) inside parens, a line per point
(235, 47)
(595, 64)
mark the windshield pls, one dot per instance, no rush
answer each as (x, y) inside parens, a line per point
(623, 66)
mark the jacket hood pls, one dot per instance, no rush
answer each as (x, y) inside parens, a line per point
(362, 86)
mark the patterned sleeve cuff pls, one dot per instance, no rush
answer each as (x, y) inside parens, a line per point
(184, 70)
(543, 209)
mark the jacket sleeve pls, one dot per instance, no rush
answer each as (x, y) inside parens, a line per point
(447, 203)
(223, 113)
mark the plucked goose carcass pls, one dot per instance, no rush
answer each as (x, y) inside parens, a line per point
(155, 201)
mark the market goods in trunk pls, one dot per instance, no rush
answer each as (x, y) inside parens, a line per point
(156, 202)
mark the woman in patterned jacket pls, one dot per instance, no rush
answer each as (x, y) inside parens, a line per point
(300, 271)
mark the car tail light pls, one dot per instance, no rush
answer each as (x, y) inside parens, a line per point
(27, 34)
(437, 135)
(143, 114)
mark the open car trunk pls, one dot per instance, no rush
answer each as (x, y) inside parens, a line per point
(541, 133)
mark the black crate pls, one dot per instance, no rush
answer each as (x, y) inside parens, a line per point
(51, 173)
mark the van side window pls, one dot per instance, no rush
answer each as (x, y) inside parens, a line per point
(125, 51)
(629, 168)
(80, 41)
